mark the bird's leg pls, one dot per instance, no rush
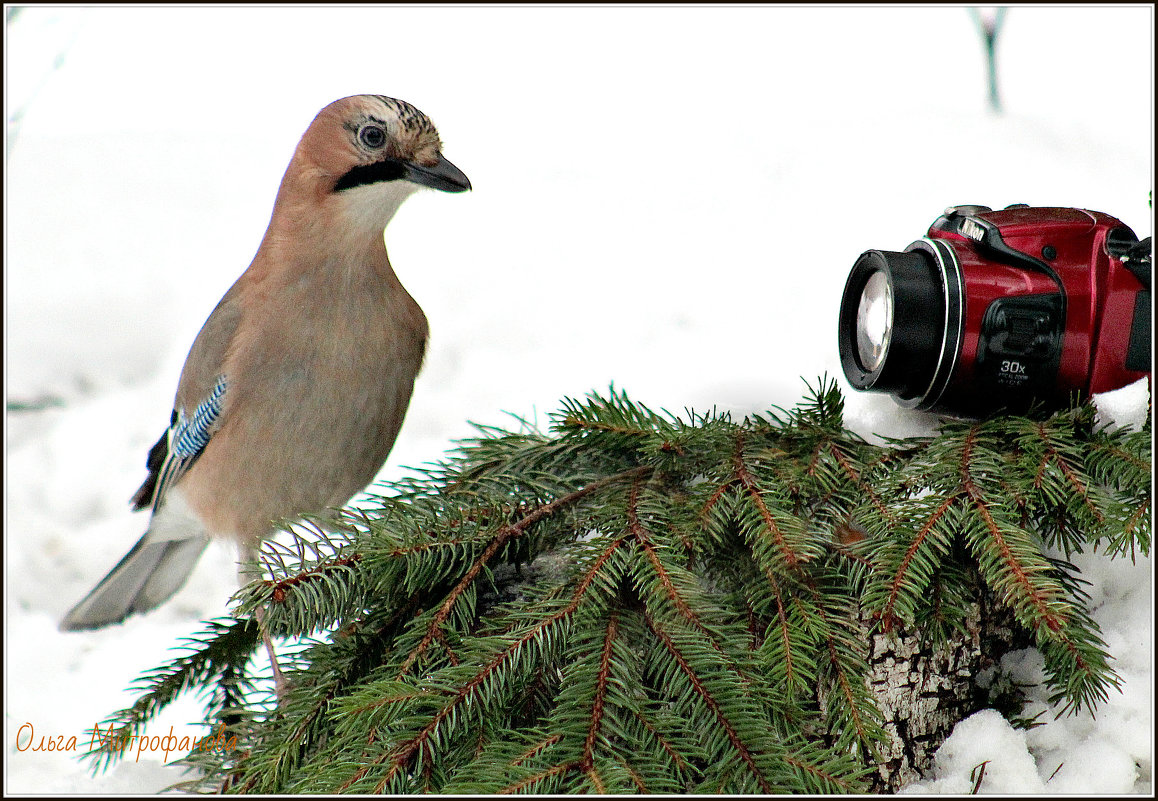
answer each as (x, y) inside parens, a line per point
(248, 568)
(278, 678)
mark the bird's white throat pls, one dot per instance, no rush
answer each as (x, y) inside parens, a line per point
(368, 209)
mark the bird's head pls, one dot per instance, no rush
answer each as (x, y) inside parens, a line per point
(367, 154)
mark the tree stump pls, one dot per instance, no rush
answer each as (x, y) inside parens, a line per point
(923, 691)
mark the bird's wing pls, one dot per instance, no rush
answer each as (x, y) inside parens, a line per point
(199, 405)
(180, 445)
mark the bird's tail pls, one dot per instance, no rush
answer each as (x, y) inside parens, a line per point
(148, 575)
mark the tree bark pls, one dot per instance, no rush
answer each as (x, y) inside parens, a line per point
(923, 692)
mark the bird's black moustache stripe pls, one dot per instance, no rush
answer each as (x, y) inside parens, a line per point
(387, 170)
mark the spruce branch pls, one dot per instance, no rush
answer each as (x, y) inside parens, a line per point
(215, 658)
(636, 602)
(506, 533)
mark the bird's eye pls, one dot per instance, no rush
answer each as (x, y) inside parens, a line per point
(372, 136)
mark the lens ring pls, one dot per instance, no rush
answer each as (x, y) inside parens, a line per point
(953, 293)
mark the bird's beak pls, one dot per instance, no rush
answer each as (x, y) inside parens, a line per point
(443, 176)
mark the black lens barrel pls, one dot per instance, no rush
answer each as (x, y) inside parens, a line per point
(917, 341)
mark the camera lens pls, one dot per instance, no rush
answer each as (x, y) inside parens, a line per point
(874, 321)
(900, 322)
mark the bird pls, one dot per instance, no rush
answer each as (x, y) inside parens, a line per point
(295, 388)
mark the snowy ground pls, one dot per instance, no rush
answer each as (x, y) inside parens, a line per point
(665, 197)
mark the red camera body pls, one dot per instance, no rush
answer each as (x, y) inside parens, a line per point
(1000, 310)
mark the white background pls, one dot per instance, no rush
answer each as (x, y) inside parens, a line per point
(667, 198)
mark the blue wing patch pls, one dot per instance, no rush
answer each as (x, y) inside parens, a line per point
(179, 447)
(189, 436)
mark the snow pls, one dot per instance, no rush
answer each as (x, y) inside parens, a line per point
(665, 197)
(985, 737)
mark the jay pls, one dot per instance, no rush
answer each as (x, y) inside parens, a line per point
(294, 390)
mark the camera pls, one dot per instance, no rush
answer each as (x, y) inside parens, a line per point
(1025, 307)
